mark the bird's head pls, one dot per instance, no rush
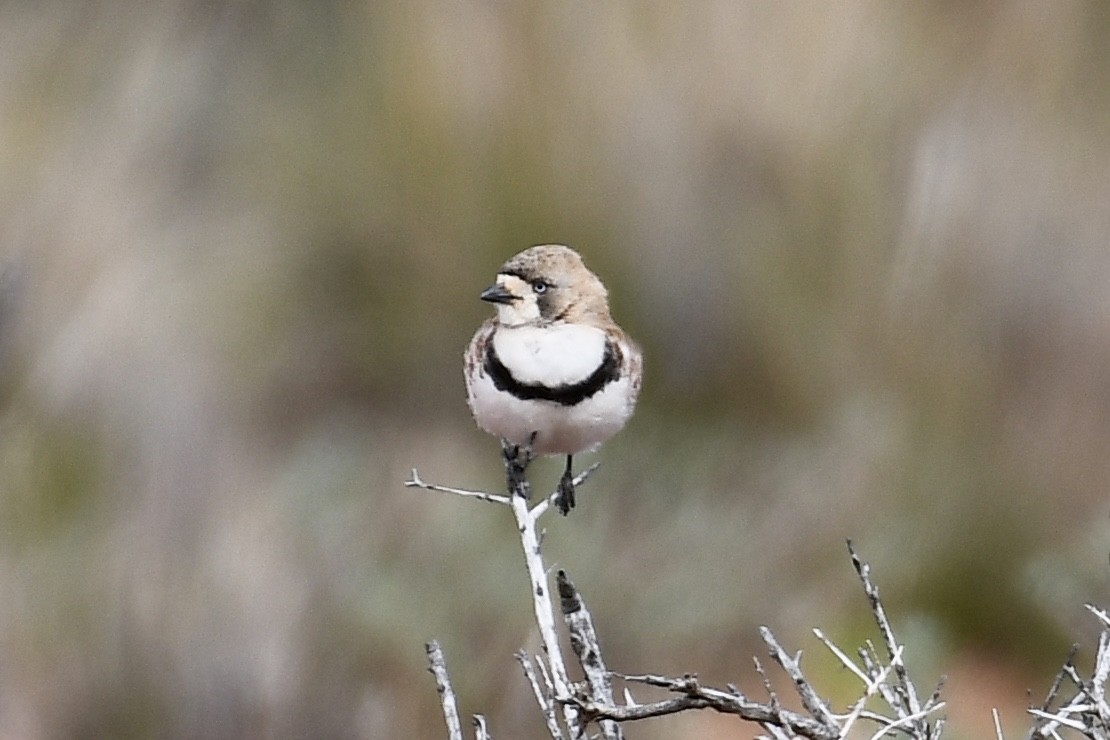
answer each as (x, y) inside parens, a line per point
(547, 284)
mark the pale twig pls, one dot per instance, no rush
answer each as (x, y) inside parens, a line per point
(871, 662)
(901, 695)
(1086, 712)
(584, 642)
(909, 719)
(541, 696)
(1100, 613)
(695, 696)
(480, 730)
(1098, 680)
(774, 705)
(546, 676)
(437, 665)
(871, 684)
(844, 659)
(766, 682)
(516, 462)
(416, 482)
(1059, 719)
(1054, 690)
(541, 507)
(792, 665)
(544, 610)
(907, 689)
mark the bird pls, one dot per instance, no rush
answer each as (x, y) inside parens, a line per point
(551, 373)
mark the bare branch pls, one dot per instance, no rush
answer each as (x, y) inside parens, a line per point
(766, 683)
(909, 719)
(1087, 711)
(584, 642)
(541, 696)
(569, 708)
(1061, 719)
(517, 459)
(437, 666)
(1100, 613)
(1098, 681)
(844, 659)
(416, 482)
(696, 696)
(908, 706)
(810, 700)
(1054, 690)
(544, 610)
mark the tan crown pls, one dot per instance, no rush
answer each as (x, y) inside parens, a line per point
(574, 293)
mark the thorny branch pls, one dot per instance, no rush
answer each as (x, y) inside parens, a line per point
(1075, 703)
(888, 699)
(557, 697)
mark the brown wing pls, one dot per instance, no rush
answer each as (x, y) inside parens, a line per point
(476, 352)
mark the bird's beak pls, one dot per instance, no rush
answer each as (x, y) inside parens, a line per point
(497, 293)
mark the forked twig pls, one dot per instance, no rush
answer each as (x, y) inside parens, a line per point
(527, 518)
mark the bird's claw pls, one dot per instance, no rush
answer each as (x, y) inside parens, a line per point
(564, 497)
(517, 459)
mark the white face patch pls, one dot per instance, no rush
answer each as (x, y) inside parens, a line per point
(557, 355)
(519, 312)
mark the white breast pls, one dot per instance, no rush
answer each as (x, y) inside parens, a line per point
(561, 430)
(553, 356)
(563, 354)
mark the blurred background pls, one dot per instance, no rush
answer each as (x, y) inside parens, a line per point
(864, 248)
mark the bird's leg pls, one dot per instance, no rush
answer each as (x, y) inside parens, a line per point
(517, 459)
(564, 500)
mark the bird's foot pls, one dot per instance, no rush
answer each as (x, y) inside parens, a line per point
(517, 459)
(564, 497)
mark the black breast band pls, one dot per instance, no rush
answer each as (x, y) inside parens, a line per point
(566, 395)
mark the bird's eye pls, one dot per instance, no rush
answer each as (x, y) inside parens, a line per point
(540, 286)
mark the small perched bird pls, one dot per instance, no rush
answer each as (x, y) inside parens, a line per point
(551, 372)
